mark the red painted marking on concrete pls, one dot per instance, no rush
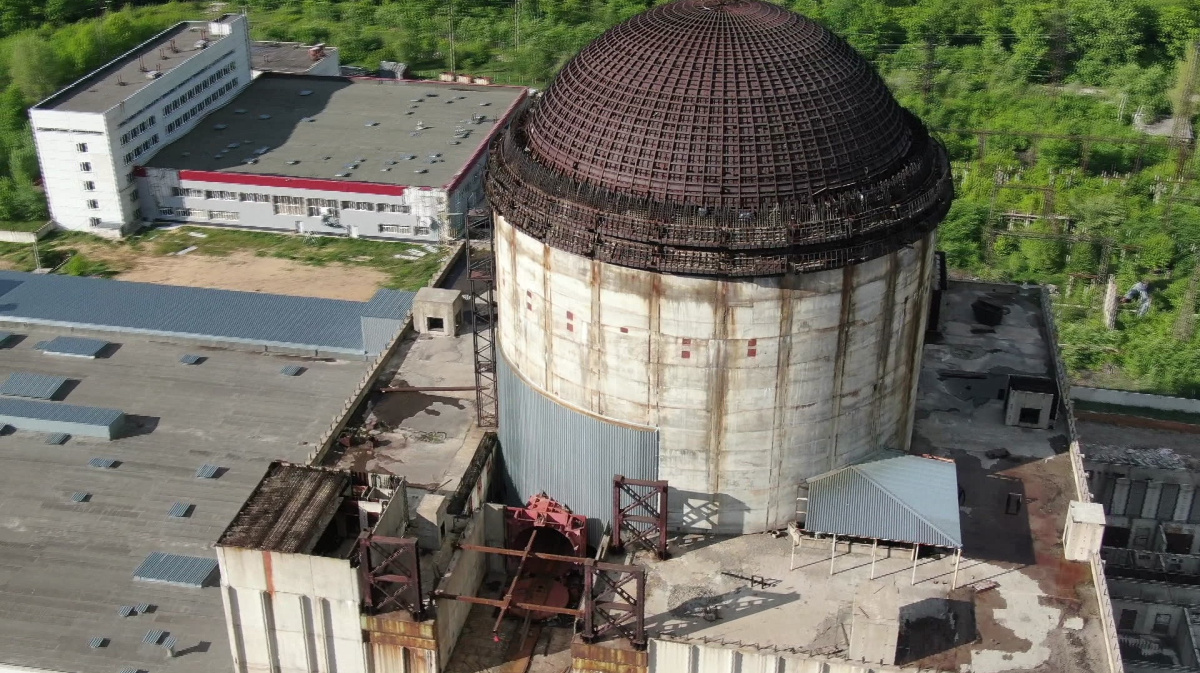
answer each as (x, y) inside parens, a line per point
(224, 178)
(752, 352)
(268, 570)
(687, 355)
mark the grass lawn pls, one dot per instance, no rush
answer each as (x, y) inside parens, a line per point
(22, 226)
(93, 256)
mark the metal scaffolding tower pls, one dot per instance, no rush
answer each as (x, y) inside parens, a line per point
(481, 275)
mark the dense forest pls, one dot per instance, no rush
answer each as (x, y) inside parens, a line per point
(1076, 178)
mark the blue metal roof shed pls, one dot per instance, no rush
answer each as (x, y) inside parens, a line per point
(71, 419)
(330, 325)
(907, 499)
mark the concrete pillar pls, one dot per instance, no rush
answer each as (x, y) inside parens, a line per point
(1110, 303)
(1120, 497)
(1150, 507)
(1184, 505)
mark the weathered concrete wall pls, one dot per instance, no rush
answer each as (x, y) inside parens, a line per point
(394, 519)
(1131, 399)
(668, 656)
(26, 236)
(396, 644)
(753, 384)
(291, 613)
(463, 577)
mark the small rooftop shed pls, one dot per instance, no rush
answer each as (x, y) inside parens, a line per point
(906, 499)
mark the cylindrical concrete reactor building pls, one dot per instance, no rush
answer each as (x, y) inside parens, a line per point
(714, 240)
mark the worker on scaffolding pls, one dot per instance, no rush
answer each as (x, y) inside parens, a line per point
(1141, 292)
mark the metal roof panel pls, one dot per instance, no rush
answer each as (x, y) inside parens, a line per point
(170, 310)
(906, 499)
(35, 386)
(192, 571)
(77, 346)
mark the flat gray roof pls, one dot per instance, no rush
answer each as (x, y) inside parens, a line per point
(67, 567)
(340, 133)
(287, 57)
(330, 325)
(124, 76)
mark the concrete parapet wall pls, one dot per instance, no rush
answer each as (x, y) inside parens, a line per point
(1112, 650)
(329, 436)
(443, 272)
(1126, 398)
(684, 656)
(26, 236)
(463, 577)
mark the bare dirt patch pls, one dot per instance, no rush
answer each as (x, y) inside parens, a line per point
(249, 273)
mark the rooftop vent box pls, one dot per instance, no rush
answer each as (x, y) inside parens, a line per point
(1032, 402)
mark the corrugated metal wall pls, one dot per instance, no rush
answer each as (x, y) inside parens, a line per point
(570, 455)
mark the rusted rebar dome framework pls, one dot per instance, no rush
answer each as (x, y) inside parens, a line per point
(720, 138)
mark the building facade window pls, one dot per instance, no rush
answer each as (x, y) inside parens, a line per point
(184, 191)
(133, 196)
(424, 231)
(1162, 623)
(221, 195)
(223, 215)
(85, 166)
(166, 211)
(89, 186)
(1167, 499)
(81, 147)
(288, 205)
(358, 205)
(1137, 499)
(254, 198)
(393, 229)
(93, 204)
(319, 207)
(392, 208)
(94, 221)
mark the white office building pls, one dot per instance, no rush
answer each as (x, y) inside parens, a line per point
(91, 135)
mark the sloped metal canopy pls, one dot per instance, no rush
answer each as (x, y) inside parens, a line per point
(905, 499)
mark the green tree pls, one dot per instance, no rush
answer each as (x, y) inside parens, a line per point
(35, 67)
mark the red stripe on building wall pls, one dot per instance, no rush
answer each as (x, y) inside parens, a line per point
(221, 177)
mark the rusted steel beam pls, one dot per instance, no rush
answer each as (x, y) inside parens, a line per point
(495, 603)
(426, 389)
(516, 552)
(512, 588)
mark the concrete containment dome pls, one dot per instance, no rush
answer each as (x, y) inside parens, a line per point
(730, 138)
(713, 260)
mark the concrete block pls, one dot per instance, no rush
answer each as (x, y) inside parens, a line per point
(1084, 530)
(437, 311)
(875, 629)
(432, 521)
